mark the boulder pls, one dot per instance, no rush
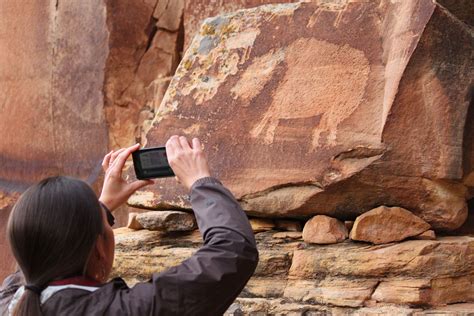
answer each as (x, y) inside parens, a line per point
(344, 150)
(323, 229)
(387, 224)
(261, 306)
(169, 221)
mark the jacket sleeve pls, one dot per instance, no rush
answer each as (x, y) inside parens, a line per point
(209, 281)
(9, 287)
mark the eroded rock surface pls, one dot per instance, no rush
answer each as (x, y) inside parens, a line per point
(168, 221)
(387, 224)
(344, 96)
(52, 57)
(196, 11)
(145, 49)
(347, 277)
(323, 229)
(333, 107)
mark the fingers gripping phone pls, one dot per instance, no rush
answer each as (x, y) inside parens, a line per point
(151, 163)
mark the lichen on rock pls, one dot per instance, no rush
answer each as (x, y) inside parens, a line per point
(304, 109)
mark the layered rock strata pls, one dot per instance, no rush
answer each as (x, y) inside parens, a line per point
(347, 104)
(343, 278)
(333, 107)
(167, 221)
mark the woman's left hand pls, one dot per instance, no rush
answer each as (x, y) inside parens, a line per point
(117, 190)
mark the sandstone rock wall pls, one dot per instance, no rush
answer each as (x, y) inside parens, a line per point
(348, 278)
(52, 57)
(354, 103)
(145, 46)
(330, 107)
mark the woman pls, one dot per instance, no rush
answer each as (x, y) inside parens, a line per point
(62, 239)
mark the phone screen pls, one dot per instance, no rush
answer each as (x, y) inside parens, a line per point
(151, 163)
(154, 159)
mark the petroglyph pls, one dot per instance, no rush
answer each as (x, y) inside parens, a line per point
(243, 39)
(297, 96)
(339, 8)
(257, 75)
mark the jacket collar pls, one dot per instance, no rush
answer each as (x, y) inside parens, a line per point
(80, 283)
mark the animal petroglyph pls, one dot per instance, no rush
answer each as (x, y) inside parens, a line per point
(257, 75)
(322, 79)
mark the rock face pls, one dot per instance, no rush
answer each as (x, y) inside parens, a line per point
(168, 221)
(323, 229)
(144, 52)
(51, 79)
(331, 107)
(387, 224)
(196, 11)
(344, 277)
(340, 86)
(7, 263)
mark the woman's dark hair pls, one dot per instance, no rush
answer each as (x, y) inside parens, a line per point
(52, 230)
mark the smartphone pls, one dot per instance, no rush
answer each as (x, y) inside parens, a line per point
(151, 163)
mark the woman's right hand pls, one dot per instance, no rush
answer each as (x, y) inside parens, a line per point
(116, 190)
(187, 161)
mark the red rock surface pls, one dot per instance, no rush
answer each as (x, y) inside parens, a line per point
(51, 113)
(383, 225)
(408, 140)
(196, 11)
(352, 97)
(7, 264)
(427, 235)
(144, 52)
(323, 229)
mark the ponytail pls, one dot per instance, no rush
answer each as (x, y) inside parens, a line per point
(29, 304)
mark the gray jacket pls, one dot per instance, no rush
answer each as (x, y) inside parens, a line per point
(205, 284)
